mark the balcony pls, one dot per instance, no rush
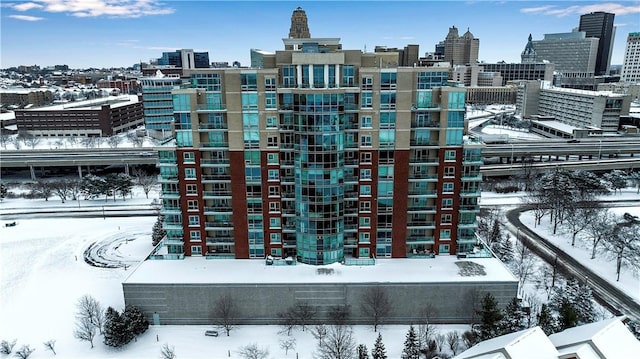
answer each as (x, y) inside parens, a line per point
(217, 225)
(423, 176)
(170, 210)
(212, 126)
(168, 179)
(421, 224)
(216, 194)
(211, 107)
(470, 194)
(424, 143)
(214, 162)
(472, 177)
(219, 241)
(425, 124)
(469, 208)
(172, 226)
(215, 177)
(420, 240)
(424, 161)
(424, 209)
(217, 210)
(468, 225)
(422, 193)
(170, 195)
(221, 145)
(423, 107)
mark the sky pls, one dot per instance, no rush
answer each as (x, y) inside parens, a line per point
(117, 33)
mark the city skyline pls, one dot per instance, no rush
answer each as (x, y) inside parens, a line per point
(85, 34)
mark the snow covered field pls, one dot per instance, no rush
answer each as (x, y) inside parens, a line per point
(43, 274)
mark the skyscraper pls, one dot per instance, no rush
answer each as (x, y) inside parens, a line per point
(600, 24)
(461, 50)
(631, 64)
(299, 26)
(322, 156)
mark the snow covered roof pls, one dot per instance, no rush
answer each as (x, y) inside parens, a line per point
(442, 269)
(113, 101)
(561, 126)
(518, 345)
(607, 339)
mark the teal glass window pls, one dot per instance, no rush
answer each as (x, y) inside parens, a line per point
(249, 101)
(214, 100)
(183, 120)
(272, 122)
(387, 119)
(275, 238)
(348, 74)
(365, 190)
(305, 75)
(318, 76)
(249, 82)
(210, 82)
(332, 76)
(289, 76)
(456, 100)
(184, 139)
(455, 119)
(181, 102)
(388, 80)
(190, 173)
(387, 138)
(387, 100)
(431, 79)
(252, 157)
(453, 137)
(366, 122)
(385, 172)
(367, 99)
(385, 189)
(270, 101)
(423, 99)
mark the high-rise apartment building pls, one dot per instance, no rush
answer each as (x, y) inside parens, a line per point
(461, 50)
(631, 63)
(321, 155)
(157, 102)
(600, 25)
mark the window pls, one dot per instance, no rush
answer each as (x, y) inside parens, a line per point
(192, 189)
(365, 206)
(270, 101)
(274, 206)
(447, 203)
(272, 159)
(447, 187)
(274, 190)
(365, 141)
(365, 157)
(364, 237)
(449, 171)
(365, 122)
(273, 175)
(189, 157)
(445, 234)
(449, 155)
(367, 99)
(365, 190)
(249, 82)
(365, 221)
(190, 173)
(272, 122)
(274, 222)
(272, 141)
(445, 219)
(348, 73)
(385, 172)
(367, 83)
(269, 83)
(194, 220)
(275, 238)
(192, 205)
(196, 250)
(195, 236)
(365, 174)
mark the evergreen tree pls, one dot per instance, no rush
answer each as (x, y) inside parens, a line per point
(3, 191)
(411, 348)
(567, 317)
(490, 318)
(135, 320)
(116, 333)
(379, 352)
(363, 352)
(157, 232)
(583, 304)
(546, 321)
(514, 317)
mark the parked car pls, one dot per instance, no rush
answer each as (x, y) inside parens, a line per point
(211, 333)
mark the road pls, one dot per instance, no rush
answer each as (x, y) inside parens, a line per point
(603, 292)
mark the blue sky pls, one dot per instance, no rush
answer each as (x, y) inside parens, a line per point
(115, 33)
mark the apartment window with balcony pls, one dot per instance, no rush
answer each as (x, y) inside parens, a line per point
(190, 173)
(189, 157)
(194, 220)
(192, 205)
(272, 158)
(365, 122)
(289, 76)
(195, 236)
(192, 189)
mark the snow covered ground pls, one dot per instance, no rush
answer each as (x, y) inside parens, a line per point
(42, 274)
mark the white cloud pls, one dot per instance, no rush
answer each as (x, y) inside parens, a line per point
(26, 6)
(26, 17)
(553, 10)
(95, 8)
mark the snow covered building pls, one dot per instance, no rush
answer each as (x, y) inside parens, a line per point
(320, 155)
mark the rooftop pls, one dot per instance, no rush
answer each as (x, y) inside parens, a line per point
(442, 269)
(113, 101)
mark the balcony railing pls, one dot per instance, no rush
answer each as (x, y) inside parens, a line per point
(211, 107)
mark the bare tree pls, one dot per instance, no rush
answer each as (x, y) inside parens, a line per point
(523, 264)
(88, 307)
(599, 229)
(305, 313)
(339, 314)
(62, 188)
(453, 340)
(6, 347)
(287, 344)
(85, 330)
(114, 141)
(288, 321)
(319, 332)
(225, 313)
(168, 352)
(252, 351)
(426, 328)
(624, 243)
(579, 216)
(5, 139)
(338, 344)
(90, 141)
(41, 189)
(24, 352)
(28, 139)
(376, 304)
(144, 180)
(440, 340)
(135, 140)
(51, 345)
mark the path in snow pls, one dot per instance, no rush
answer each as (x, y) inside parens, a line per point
(105, 253)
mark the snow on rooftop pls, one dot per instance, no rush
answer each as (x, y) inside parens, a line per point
(599, 336)
(197, 270)
(557, 125)
(518, 345)
(113, 101)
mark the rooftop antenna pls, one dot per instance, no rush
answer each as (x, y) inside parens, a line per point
(365, 48)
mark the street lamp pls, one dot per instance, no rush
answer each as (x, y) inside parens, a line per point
(599, 149)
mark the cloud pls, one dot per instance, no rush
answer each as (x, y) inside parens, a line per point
(26, 17)
(26, 6)
(96, 8)
(553, 10)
